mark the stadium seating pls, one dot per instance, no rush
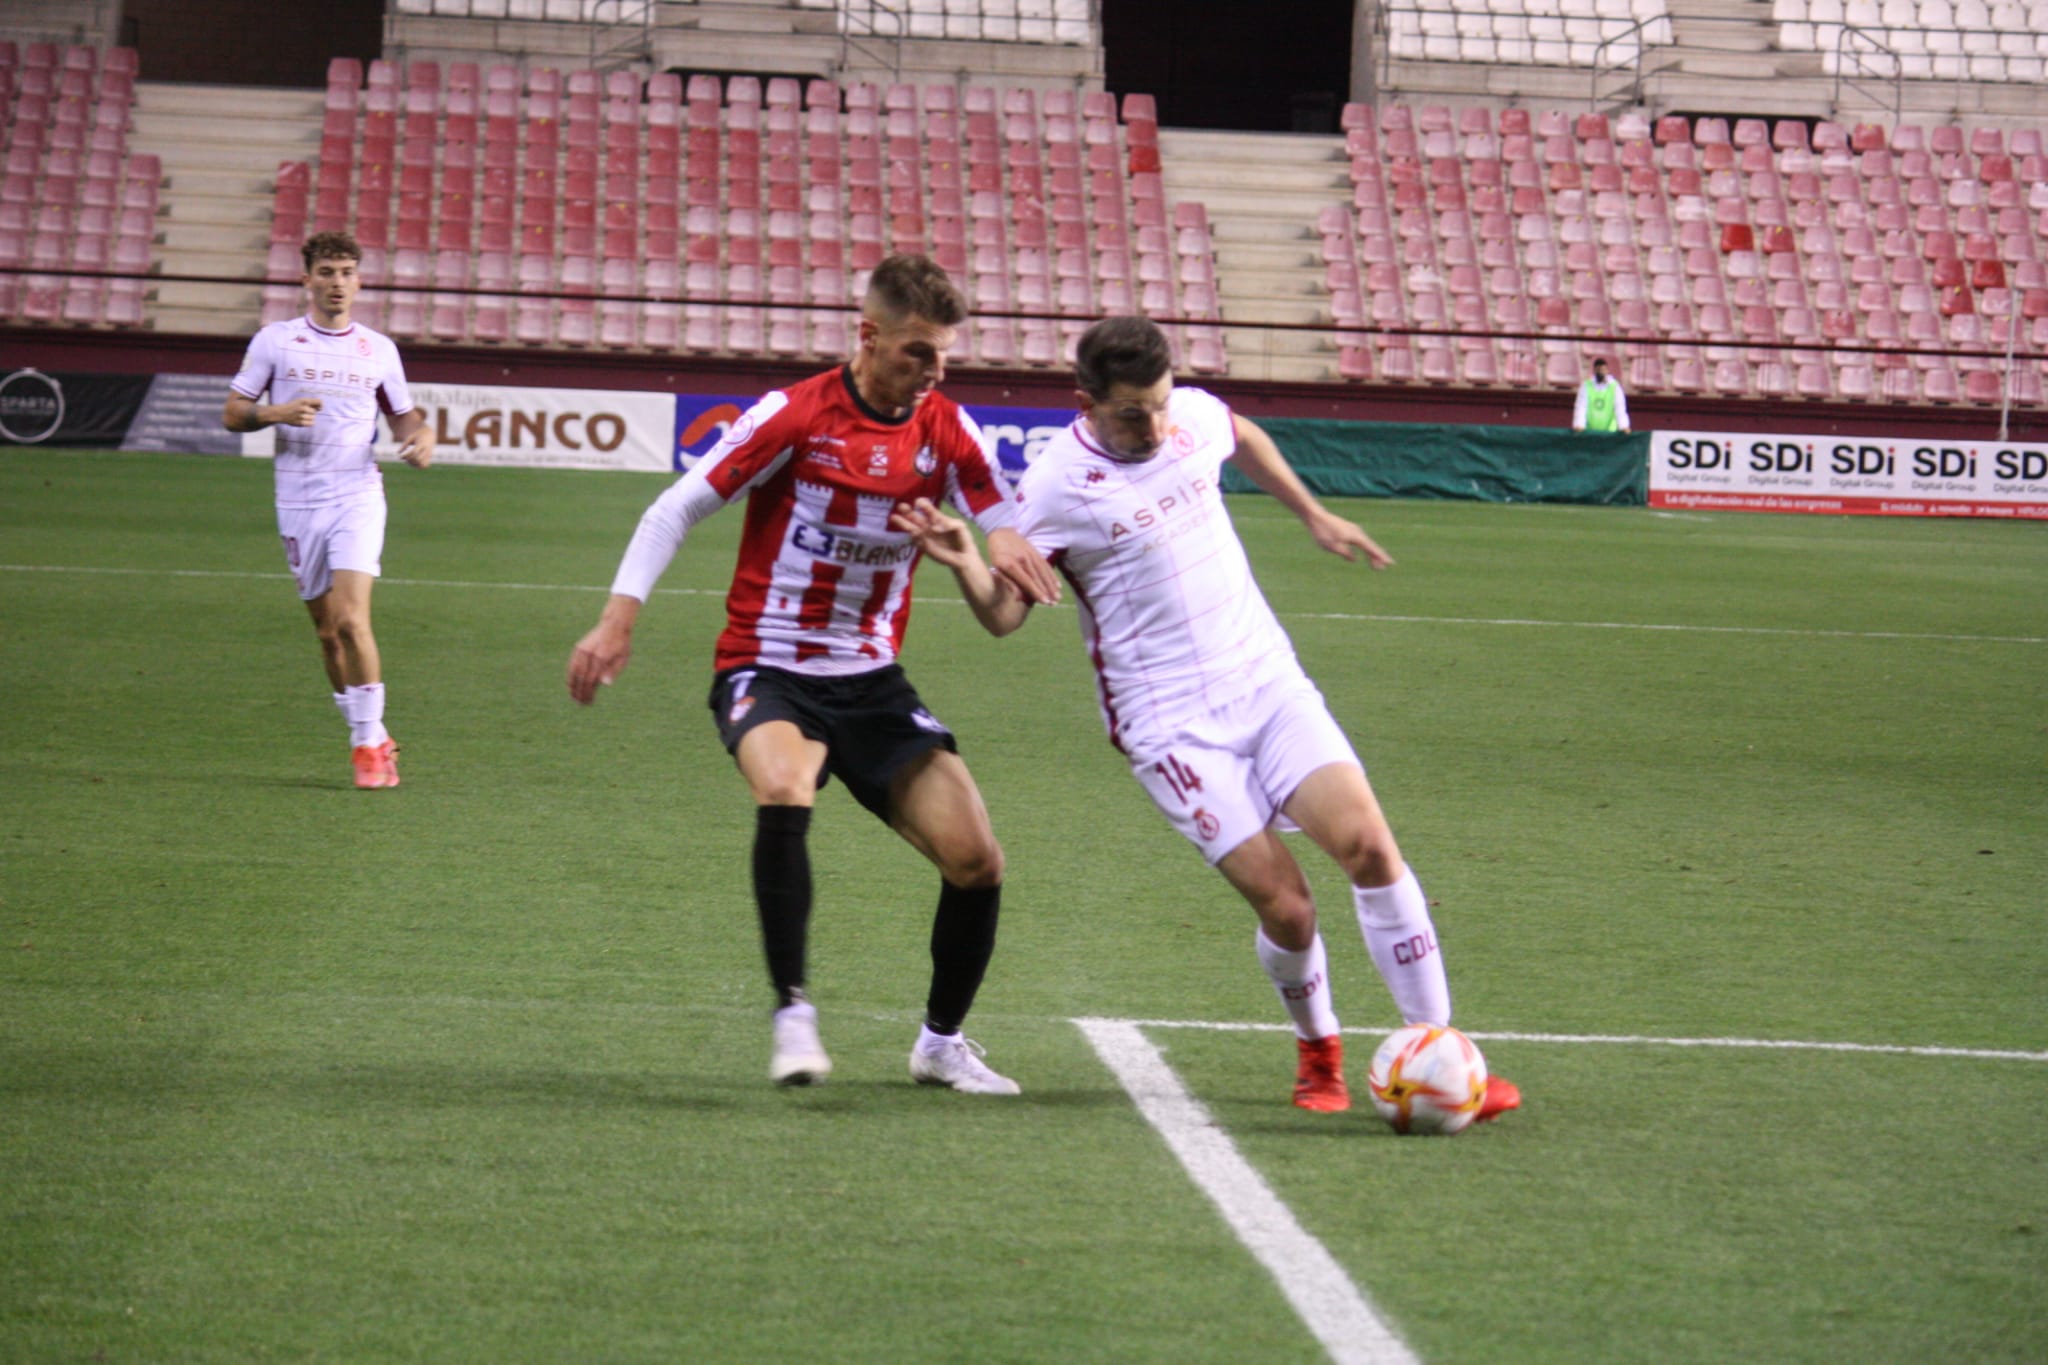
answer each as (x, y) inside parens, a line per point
(1027, 21)
(1575, 33)
(1739, 259)
(758, 207)
(1939, 40)
(71, 198)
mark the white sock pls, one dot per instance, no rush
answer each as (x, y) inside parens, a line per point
(341, 705)
(1402, 941)
(364, 707)
(929, 1042)
(1301, 977)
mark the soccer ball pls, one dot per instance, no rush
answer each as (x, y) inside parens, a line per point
(1427, 1079)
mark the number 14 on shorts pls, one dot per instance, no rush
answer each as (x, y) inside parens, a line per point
(1179, 776)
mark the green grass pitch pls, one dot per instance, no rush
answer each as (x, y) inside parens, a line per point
(475, 1070)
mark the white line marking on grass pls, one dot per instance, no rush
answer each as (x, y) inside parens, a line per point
(1646, 1040)
(1322, 1294)
(1801, 632)
(1509, 621)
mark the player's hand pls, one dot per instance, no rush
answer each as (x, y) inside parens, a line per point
(1014, 561)
(938, 535)
(1348, 539)
(418, 449)
(598, 658)
(300, 412)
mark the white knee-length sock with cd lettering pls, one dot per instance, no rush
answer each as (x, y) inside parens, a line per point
(1402, 940)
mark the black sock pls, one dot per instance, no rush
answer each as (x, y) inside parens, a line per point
(963, 938)
(782, 894)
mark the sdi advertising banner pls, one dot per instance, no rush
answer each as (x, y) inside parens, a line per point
(1876, 476)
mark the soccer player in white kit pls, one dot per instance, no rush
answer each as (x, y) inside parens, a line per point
(328, 377)
(1198, 683)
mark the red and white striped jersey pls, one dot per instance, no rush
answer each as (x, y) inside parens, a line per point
(822, 584)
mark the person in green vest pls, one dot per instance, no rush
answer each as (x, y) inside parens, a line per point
(1601, 406)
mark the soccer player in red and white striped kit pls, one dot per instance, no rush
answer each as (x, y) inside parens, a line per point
(806, 683)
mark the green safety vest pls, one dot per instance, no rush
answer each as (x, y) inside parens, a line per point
(1600, 408)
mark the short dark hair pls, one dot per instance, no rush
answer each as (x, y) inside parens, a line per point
(906, 286)
(1124, 350)
(1599, 363)
(330, 246)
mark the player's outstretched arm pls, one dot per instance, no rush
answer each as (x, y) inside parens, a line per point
(1266, 467)
(994, 600)
(601, 655)
(415, 439)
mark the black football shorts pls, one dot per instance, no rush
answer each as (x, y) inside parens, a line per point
(871, 724)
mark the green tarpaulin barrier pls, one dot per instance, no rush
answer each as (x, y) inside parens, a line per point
(1490, 464)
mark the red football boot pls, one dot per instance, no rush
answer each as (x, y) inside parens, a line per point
(1502, 1095)
(1319, 1081)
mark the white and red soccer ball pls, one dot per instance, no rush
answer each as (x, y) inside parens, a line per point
(1428, 1079)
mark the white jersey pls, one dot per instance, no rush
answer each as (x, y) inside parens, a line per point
(355, 373)
(1171, 616)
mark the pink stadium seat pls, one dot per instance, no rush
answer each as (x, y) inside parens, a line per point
(1814, 381)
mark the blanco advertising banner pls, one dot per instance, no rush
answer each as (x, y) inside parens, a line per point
(1876, 476)
(548, 428)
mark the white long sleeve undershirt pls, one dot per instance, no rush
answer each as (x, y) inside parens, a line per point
(662, 528)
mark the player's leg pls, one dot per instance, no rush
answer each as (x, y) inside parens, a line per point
(781, 766)
(1206, 787)
(1336, 807)
(1290, 951)
(341, 618)
(333, 552)
(760, 721)
(354, 552)
(936, 807)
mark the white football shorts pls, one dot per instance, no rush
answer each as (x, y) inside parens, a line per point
(337, 535)
(1223, 777)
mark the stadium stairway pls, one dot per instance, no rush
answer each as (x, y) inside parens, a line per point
(220, 146)
(1264, 193)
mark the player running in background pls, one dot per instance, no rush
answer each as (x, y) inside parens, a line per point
(806, 682)
(328, 377)
(1198, 683)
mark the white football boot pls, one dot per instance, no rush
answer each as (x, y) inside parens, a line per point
(956, 1061)
(799, 1057)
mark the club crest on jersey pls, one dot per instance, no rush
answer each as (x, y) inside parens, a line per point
(878, 462)
(1206, 824)
(362, 345)
(925, 462)
(1183, 440)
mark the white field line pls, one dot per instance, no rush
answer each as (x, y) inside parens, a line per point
(1647, 1040)
(1333, 1308)
(1329, 1304)
(1503, 621)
